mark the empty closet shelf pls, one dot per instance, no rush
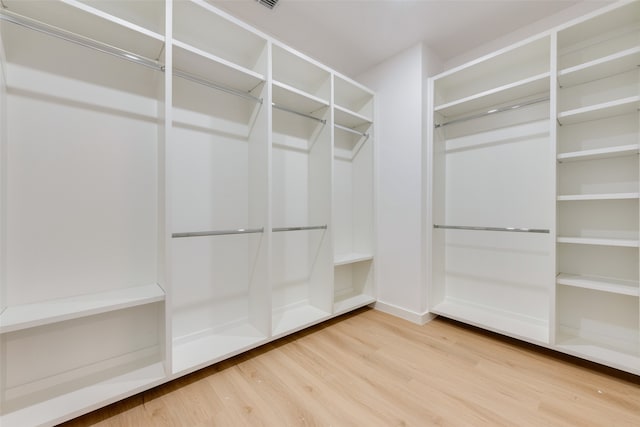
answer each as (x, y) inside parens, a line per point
(508, 229)
(219, 232)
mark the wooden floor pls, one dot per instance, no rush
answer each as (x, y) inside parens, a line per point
(371, 369)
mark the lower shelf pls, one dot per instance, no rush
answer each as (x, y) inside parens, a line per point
(527, 329)
(70, 405)
(616, 286)
(351, 302)
(203, 349)
(627, 359)
(295, 317)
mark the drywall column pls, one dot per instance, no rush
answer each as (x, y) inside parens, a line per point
(399, 110)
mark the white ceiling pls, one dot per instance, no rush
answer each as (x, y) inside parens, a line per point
(353, 35)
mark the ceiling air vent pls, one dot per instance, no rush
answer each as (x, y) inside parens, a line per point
(268, 3)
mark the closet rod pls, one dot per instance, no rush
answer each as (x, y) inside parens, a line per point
(510, 229)
(494, 111)
(288, 110)
(312, 227)
(357, 132)
(217, 86)
(219, 232)
(50, 30)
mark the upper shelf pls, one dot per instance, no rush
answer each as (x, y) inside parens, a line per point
(96, 24)
(518, 64)
(15, 318)
(592, 30)
(490, 98)
(600, 111)
(296, 71)
(353, 98)
(609, 65)
(297, 100)
(198, 62)
(599, 153)
(198, 24)
(349, 118)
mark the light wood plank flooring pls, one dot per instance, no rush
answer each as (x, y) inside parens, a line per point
(371, 369)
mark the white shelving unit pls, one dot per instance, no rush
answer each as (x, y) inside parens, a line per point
(580, 282)
(177, 197)
(597, 294)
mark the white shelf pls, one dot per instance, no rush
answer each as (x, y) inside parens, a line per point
(205, 349)
(349, 118)
(532, 330)
(599, 242)
(63, 407)
(587, 349)
(610, 65)
(25, 316)
(600, 153)
(616, 286)
(351, 303)
(295, 99)
(351, 258)
(293, 318)
(210, 67)
(600, 111)
(198, 24)
(352, 96)
(609, 196)
(494, 97)
(93, 23)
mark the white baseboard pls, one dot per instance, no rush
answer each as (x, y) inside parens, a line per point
(403, 313)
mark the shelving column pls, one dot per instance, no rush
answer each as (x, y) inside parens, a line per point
(80, 199)
(302, 271)
(219, 187)
(598, 296)
(353, 178)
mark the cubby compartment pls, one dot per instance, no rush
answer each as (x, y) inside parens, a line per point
(295, 75)
(515, 73)
(301, 259)
(199, 27)
(603, 326)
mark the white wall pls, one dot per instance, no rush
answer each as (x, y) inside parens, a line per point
(399, 109)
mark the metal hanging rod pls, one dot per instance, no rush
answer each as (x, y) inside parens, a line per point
(312, 227)
(217, 86)
(509, 229)
(50, 30)
(494, 111)
(288, 110)
(219, 232)
(357, 132)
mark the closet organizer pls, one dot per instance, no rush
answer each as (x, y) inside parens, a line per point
(175, 188)
(534, 189)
